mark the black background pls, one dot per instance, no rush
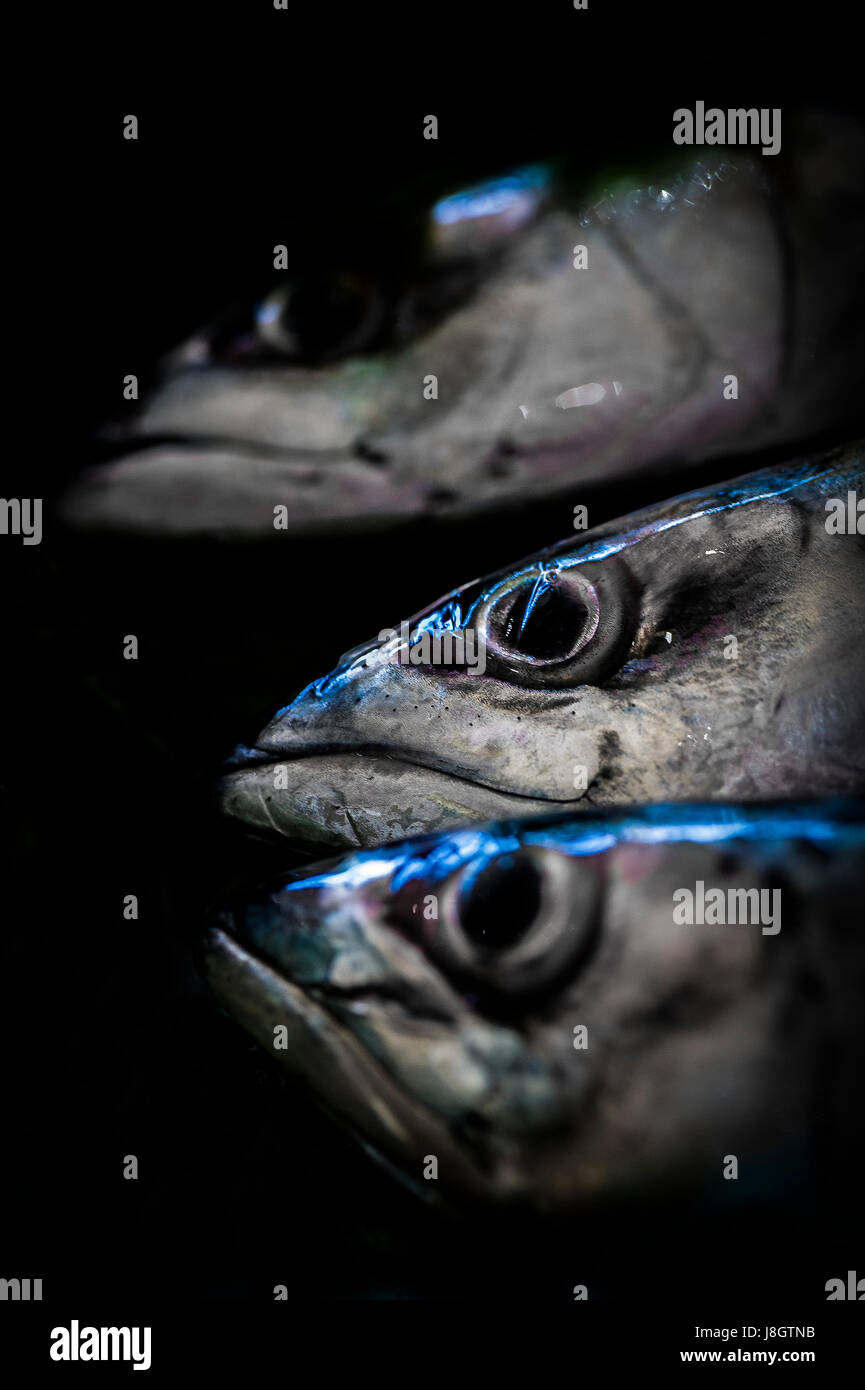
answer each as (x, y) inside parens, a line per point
(259, 127)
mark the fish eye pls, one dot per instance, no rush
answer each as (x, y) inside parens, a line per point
(515, 921)
(551, 620)
(320, 318)
(554, 627)
(324, 316)
(499, 905)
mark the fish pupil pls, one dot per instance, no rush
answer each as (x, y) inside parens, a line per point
(501, 903)
(556, 616)
(323, 313)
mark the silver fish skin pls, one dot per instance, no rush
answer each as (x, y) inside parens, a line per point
(548, 377)
(520, 1003)
(708, 648)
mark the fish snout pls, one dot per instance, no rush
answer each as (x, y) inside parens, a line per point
(242, 755)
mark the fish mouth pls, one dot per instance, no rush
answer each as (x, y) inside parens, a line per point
(220, 486)
(153, 480)
(359, 797)
(392, 1053)
(346, 1080)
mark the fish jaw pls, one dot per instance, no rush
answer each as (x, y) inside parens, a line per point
(351, 1085)
(236, 493)
(380, 748)
(359, 800)
(690, 1031)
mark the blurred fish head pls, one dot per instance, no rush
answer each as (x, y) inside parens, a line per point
(536, 340)
(708, 648)
(521, 1011)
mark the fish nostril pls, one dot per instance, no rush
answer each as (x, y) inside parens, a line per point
(370, 453)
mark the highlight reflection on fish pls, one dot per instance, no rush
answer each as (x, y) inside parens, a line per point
(500, 368)
(522, 1003)
(707, 648)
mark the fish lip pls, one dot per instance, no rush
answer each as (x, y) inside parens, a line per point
(431, 799)
(414, 1121)
(244, 756)
(247, 755)
(117, 444)
(330, 999)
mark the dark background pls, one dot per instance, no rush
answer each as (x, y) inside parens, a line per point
(259, 127)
